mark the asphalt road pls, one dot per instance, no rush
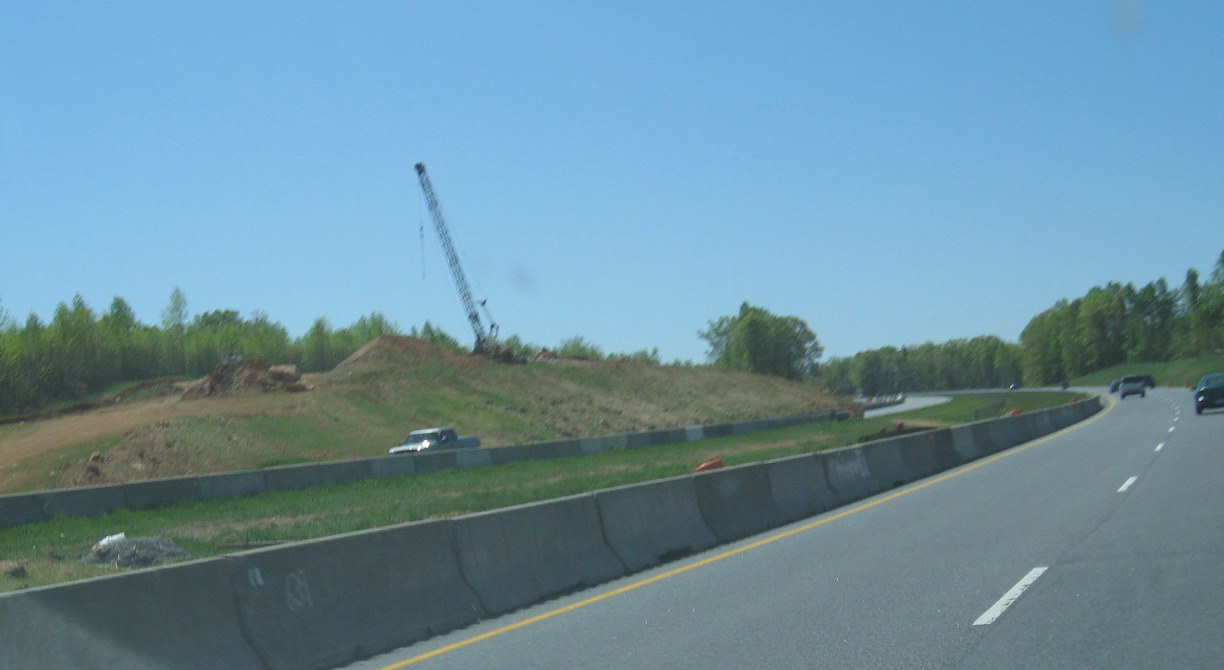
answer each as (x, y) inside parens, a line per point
(911, 402)
(1099, 547)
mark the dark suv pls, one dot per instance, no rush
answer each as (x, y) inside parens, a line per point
(1133, 385)
(1209, 393)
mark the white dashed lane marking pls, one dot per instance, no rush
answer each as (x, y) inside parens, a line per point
(996, 610)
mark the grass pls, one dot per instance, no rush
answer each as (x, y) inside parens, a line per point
(1181, 373)
(1026, 401)
(50, 551)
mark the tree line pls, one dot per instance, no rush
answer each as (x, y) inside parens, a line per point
(1118, 323)
(81, 352)
(1109, 325)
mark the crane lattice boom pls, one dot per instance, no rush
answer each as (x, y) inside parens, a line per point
(485, 339)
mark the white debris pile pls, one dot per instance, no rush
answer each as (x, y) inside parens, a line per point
(136, 552)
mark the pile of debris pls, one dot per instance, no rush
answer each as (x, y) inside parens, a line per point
(134, 552)
(254, 375)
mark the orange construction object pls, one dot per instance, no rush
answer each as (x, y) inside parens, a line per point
(712, 463)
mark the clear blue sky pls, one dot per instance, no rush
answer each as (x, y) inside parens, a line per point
(892, 173)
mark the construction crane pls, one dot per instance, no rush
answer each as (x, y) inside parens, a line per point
(486, 339)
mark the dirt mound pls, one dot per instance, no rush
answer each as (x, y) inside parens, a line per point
(235, 377)
(400, 349)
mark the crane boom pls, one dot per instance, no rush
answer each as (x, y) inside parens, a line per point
(486, 340)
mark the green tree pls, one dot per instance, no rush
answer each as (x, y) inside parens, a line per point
(649, 356)
(432, 333)
(75, 350)
(577, 347)
(758, 341)
(516, 344)
(316, 344)
(173, 347)
(835, 375)
(123, 354)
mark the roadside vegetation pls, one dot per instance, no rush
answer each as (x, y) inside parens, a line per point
(1114, 325)
(49, 552)
(1183, 372)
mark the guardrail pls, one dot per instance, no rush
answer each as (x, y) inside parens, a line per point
(322, 603)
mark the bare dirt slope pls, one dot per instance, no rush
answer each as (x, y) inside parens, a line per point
(368, 402)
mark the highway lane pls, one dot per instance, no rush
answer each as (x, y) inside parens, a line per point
(1121, 519)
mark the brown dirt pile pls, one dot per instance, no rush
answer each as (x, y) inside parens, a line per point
(401, 350)
(236, 377)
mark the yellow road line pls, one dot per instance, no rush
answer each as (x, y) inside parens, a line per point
(904, 491)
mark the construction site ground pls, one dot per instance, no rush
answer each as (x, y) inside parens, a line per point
(366, 405)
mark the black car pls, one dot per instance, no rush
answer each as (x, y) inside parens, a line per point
(1209, 393)
(1113, 385)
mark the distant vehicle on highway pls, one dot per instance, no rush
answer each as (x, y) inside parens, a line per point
(1209, 393)
(1113, 385)
(433, 439)
(1134, 385)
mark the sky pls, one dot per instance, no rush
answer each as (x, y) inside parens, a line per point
(892, 173)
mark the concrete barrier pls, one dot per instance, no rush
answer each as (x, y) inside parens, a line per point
(737, 502)
(746, 427)
(511, 454)
(154, 493)
(800, 486)
(435, 461)
(963, 442)
(719, 430)
(180, 616)
(330, 602)
(84, 502)
(652, 523)
(886, 463)
(1011, 430)
(849, 476)
(670, 436)
(640, 440)
(231, 485)
(296, 477)
(22, 508)
(560, 449)
(983, 437)
(605, 443)
(921, 454)
(522, 555)
(1049, 422)
(473, 458)
(398, 465)
(944, 450)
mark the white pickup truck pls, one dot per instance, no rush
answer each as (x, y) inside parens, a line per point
(431, 439)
